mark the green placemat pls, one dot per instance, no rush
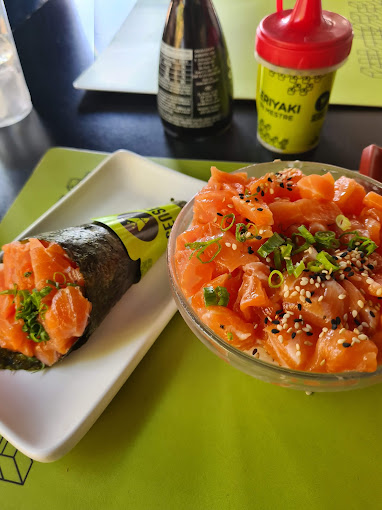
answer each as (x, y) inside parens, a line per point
(187, 431)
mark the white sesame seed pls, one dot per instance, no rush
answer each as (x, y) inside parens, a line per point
(286, 294)
(298, 353)
(228, 245)
(341, 340)
(365, 273)
(324, 271)
(285, 326)
(325, 330)
(297, 347)
(297, 288)
(234, 247)
(302, 292)
(342, 296)
(327, 277)
(342, 277)
(294, 293)
(279, 327)
(354, 313)
(307, 342)
(304, 281)
(358, 263)
(360, 303)
(320, 298)
(299, 332)
(230, 206)
(345, 317)
(319, 279)
(271, 191)
(306, 330)
(317, 285)
(369, 280)
(342, 330)
(322, 362)
(379, 292)
(360, 327)
(290, 330)
(323, 285)
(356, 330)
(297, 325)
(362, 336)
(280, 339)
(268, 259)
(354, 339)
(365, 324)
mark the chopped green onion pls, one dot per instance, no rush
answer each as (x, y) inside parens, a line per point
(29, 311)
(27, 274)
(61, 274)
(269, 246)
(368, 247)
(327, 239)
(301, 248)
(277, 258)
(242, 232)
(298, 269)
(229, 336)
(226, 217)
(327, 261)
(286, 251)
(343, 222)
(306, 234)
(280, 278)
(312, 266)
(289, 266)
(218, 296)
(199, 247)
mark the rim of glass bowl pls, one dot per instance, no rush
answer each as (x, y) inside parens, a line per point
(182, 222)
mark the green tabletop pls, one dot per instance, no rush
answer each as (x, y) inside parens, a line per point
(188, 431)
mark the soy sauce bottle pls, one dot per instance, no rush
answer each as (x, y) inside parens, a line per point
(195, 82)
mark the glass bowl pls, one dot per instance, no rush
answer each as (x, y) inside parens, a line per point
(269, 372)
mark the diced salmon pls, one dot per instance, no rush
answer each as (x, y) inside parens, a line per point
(331, 355)
(18, 266)
(257, 212)
(348, 195)
(317, 187)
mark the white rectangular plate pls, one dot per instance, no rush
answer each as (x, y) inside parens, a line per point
(45, 414)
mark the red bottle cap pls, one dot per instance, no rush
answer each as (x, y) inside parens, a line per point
(305, 37)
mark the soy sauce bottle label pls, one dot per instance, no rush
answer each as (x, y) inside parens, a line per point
(189, 87)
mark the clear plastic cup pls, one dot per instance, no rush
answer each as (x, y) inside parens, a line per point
(15, 100)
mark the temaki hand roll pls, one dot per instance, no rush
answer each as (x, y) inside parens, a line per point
(56, 288)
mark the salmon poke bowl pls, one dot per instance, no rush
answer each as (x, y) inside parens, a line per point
(277, 268)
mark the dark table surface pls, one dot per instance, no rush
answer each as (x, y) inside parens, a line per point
(54, 50)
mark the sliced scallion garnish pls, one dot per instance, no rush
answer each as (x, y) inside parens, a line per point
(243, 234)
(326, 239)
(368, 247)
(224, 219)
(306, 234)
(199, 248)
(277, 258)
(279, 275)
(218, 296)
(269, 246)
(327, 261)
(343, 222)
(298, 269)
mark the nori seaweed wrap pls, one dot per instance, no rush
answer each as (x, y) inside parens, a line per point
(91, 266)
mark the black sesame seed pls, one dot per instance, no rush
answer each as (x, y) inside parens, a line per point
(258, 238)
(279, 311)
(262, 193)
(299, 306)
(309, 333)
(334, 326)
(289, 179)
(254, 351)
(298, 320)
(344, 254)
(372, 313)
(351, 273)
(347, 269)
(370, 266)
(333, 321)
(256, 199)
(307, 300)
(258, 189)
(249, 250)
(358, 323)
(338, 320)
(247, 201)
(260, 209)
(312, 293)
(222, 326)
(274, 331)
(346, 344)
(269, 179)
(294, 335)
(266, 320)
(281, 185)
(219, 214)
(289, 189)
(275, 321)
